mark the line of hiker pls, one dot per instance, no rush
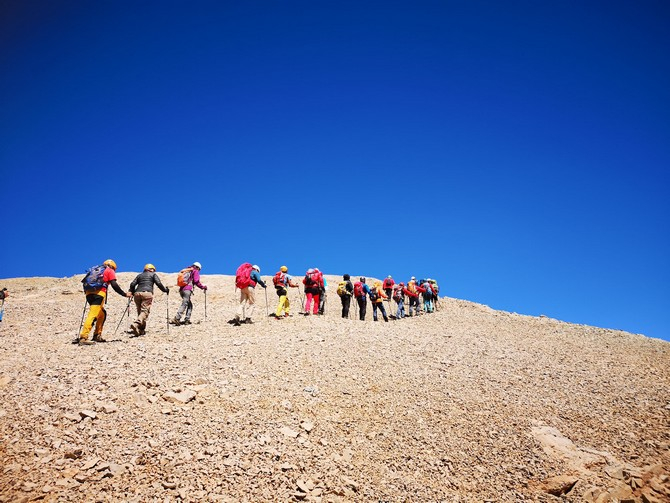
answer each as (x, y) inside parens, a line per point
(141, 289)
(380, 291)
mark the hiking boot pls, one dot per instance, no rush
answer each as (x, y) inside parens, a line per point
(235, 321)
(175, 321)
(85, 342)
(286, 315)
(248, 321)
(277, 317)
(142, 331)
(98, 338)
(186, 322)
(135, 329)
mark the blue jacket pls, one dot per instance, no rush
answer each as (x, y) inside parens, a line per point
(257, 278)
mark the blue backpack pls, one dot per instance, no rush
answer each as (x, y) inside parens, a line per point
(93, 279)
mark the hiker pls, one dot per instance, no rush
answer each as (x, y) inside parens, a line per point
(322, 292)
(95, 284)
(361, 290)
(377, 297)
(427, 296)
(399, 296)
(282, 282)
(345, 289)
(313, 282)
(436, 292)
(246, 278)
(3, 295)
(186, 279)
(388, 286)
(142, 288)
(414, 297)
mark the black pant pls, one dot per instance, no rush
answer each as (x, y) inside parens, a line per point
(362, 306)
(346, 302)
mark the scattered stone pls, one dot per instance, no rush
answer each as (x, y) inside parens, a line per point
(88, 413)
(302, 486)
(90, 464)
(75, 454)
(169, 485)
(307, 426)
(289, 432)
(559, 485)
(109, 408)
(184, 396)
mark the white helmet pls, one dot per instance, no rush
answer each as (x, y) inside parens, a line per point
(256, 268)
(412, 278)
(197, 264)
(310, 270)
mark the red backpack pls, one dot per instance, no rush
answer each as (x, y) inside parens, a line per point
(243, 276)
(358, 289)
(388, 283)
(279, 279)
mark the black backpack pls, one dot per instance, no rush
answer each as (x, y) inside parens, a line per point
(374, 295)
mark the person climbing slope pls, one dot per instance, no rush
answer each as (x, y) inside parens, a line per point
(282, 282)
(313, 282)
(95, 283)
(142, 288)
(377, 297)
(361, 291)
(187, 278)
(345, 289)
(246, 279)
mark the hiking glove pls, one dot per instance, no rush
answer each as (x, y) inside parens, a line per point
(204, 287)
(167, 290)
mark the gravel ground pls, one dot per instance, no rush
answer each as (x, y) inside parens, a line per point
(465, 404)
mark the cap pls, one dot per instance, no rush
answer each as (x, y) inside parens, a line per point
(256, 268)
(197, 264)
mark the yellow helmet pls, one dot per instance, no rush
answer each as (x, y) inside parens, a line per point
(150, 267)
(283, 268)
(110, 263)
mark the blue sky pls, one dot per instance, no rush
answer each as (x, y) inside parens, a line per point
(516, 151)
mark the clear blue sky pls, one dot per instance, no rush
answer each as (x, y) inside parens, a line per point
(516, 151)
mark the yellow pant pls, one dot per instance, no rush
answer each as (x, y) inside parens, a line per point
(284, 305)
(96, 313)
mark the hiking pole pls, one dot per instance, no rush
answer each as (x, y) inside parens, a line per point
(267, 313)
(81, 324)
(206, 305)
(124, 315)
(167, 311)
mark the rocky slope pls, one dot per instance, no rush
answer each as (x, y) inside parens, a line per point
(466, 404)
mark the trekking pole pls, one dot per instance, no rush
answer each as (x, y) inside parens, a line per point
(205, 305)
(302, 302)
(124, 315)
(167, 311)
(81, 324)
(267, 313)
(2, 309)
